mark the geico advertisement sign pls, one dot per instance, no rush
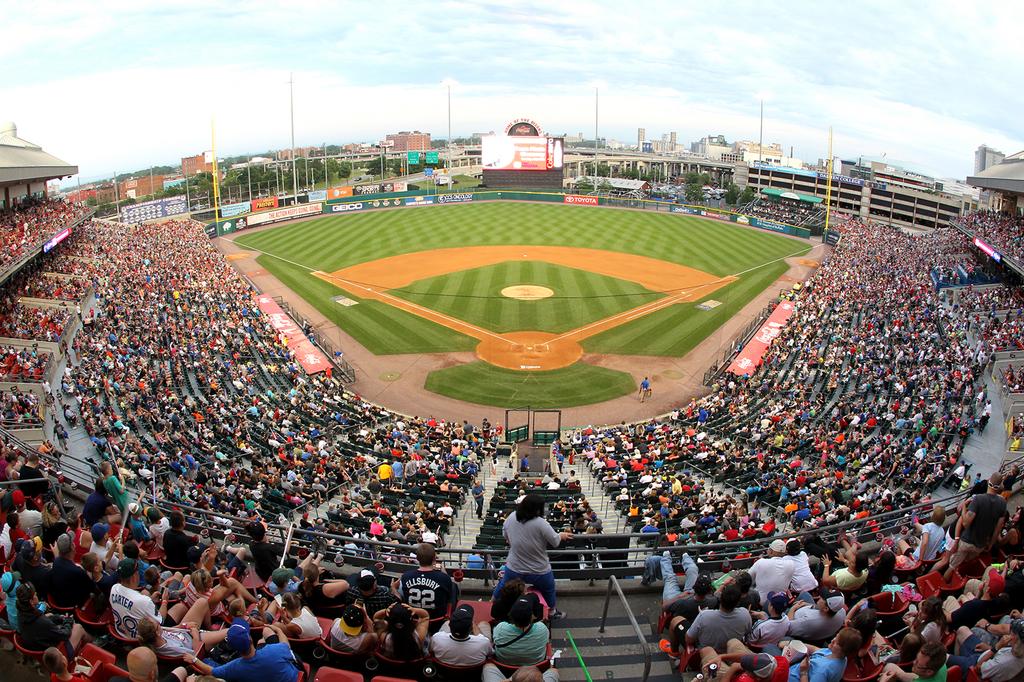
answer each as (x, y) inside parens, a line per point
(454, 198)
(341, 208)
(580, 200)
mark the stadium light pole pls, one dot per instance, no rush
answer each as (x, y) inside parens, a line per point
(188, 201)
(248, 175)
(595, 138)
(117, 197)
(448, 83)
(291, 106)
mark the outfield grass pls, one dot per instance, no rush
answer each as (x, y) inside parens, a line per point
(578, 384)
(334, 242)
(475, 296)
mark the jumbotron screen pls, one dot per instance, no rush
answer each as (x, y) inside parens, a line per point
(521, 153)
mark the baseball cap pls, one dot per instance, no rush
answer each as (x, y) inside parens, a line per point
(833, 599)
(134, 508)
(461, 621)
(367, 580)
(281, 576)
(9, 580)
(351, 621)
(18, 498)
(703, 585)
(1017, 627)
(521, 611)
(778, 600)
(238, 636)
(758, 665)
(28, 550)
(126, 568)
(996, 583)
(99, 531)
(778, 546)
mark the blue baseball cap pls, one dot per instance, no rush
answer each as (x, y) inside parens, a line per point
(99, 531)
(238, 636)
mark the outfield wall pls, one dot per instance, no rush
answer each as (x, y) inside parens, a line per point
(425, 198)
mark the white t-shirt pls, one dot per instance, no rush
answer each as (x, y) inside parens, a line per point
(471, 651)
(30, 521)
(130, 607)
(772, 574)
(803, 580)
(309, 624)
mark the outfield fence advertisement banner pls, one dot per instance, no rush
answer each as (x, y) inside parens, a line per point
(339, 193)
(231, 210)
(580, 200)
(749, 358)
(285, 214)
(151, 210)
(308, 355)
(454, 198)
(382, 188)
(317, 195)
(350, 206)
(264, 203)
(419, 201)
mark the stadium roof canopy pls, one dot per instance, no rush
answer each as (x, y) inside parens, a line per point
(21, 160)
(786, 194)
(616, 183)
(1007, 176)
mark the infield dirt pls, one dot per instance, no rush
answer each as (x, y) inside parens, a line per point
(526, 350)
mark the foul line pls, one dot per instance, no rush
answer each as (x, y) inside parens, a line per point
(655, 306)
(639, 311)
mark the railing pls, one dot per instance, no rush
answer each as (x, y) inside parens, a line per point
(613, 583)
(736, 345)
(346, 371)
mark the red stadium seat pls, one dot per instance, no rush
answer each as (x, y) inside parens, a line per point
(328, 674)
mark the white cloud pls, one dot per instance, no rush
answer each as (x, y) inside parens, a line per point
(119, 85)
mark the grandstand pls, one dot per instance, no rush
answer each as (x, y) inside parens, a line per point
(138, 368)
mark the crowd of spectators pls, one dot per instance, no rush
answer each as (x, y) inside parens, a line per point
(22, 364)
(180, 376)
(21, 321)
(991, 300)
(1003, 232)
(999, 333)
(32, 222)
(19, 409)
(786, 211)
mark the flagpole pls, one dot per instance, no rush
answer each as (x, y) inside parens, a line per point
(828, 184)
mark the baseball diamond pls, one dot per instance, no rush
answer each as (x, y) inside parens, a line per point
(525, 287)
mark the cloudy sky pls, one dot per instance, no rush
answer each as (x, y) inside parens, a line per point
(121, 85)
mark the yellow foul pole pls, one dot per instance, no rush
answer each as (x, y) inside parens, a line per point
(216, 173)
(828, 183)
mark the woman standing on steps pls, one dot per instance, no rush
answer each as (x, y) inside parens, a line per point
(529, 537)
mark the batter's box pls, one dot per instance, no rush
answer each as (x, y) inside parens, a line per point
(345, 301)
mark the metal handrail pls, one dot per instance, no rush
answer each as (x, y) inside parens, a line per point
(613, 582)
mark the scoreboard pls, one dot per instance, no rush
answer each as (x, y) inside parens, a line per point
(523, 157)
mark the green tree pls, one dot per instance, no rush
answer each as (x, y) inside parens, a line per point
(747, 195)
(584, 185)
(604, 170)
(694, 192)
(604, 186)
(732, 193)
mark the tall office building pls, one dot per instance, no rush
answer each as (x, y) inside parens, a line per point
(986, 157)
(641, 135)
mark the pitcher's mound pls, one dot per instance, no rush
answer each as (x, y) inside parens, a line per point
(527, 292)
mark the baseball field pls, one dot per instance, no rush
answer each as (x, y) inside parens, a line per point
(537, 292)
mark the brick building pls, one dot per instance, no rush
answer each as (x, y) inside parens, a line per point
(144, 186)
(406, 141)
(200, 163)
